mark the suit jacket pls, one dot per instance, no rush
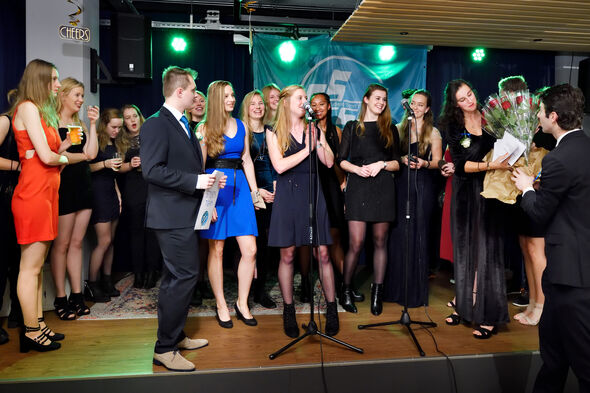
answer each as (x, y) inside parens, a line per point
(563, 204)
(170, 164)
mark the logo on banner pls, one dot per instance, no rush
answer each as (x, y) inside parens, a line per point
(348, 78)
(73, 32)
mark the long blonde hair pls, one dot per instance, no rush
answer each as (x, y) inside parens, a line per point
(216, 118)
(268, 116)
(425, 136)
(384, 118)
(121, 141)
(245, 113)
(67, 85)
(188, 113)
(35, 86)
(282, 126)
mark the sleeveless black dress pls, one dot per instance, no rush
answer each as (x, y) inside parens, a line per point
(75, 187)
(289, 223)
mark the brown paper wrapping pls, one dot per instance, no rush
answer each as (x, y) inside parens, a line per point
(497, 183)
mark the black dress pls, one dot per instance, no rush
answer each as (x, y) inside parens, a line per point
(477, 232)
(422, 203)
(105, 202)
(331, 185)
(75, 187)
(370, 199)
(289, 223)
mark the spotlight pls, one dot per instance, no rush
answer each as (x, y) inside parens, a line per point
(478, 55)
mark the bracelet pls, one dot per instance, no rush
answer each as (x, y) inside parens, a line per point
(11, 166)
(63, 160)
(427, 164)
(103, 164)
(384, 165)
(478, 167)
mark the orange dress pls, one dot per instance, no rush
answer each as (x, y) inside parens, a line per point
(35, 200)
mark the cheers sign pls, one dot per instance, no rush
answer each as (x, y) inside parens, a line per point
(81, 34)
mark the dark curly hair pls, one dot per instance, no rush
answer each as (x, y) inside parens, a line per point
(451, 116)
(567, 102)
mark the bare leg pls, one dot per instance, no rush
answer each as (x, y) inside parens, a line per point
(59, 251)
(103, 237)
(357, 231)
(74, 256)
(215, 270)
(286, 273)
(246, 268)
(528, 268)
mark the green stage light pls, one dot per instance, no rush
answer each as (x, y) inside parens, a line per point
(478, 54)
(386, 52)
(178, 44)
(287, 51)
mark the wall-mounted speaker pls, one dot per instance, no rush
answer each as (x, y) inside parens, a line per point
(584, 82)
(131, 46)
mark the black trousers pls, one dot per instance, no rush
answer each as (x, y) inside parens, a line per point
(264, 252)
(180, 251)
(143, 244)
(564, 338)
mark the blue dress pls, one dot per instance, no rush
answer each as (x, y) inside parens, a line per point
(234, 217)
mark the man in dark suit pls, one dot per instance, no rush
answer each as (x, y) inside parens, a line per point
(172, 165)
(562, 202)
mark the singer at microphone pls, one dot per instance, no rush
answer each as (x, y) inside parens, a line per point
(407, 107)
(309, 111)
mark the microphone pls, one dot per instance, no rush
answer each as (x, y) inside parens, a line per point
(407, 107)
(309, 113)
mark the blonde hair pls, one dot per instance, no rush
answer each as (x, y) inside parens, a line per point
(35, 86)
(67, 85)
(174, 77)
(384, 118)
(282, 126)
(121, 141)
(216, 118)
(11, 97)
(188, 113)
(268, 116)
(245, 113)
(424, 137)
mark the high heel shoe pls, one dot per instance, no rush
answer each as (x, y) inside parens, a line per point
(38, 343)
(484, 333)
(376, 299)
(248, 321)
(50, 333)
(63, 310)
(224, 324)
(347, 301)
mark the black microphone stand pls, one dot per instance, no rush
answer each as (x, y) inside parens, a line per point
(405, 319)
(311, 329)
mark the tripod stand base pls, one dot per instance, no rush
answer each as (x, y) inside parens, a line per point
(311, 329)
(406, 321)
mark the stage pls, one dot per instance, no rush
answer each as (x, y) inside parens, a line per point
(116, 356)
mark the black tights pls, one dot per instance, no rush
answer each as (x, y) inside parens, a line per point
(357, 230)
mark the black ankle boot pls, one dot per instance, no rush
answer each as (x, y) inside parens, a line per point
(332, 324)
(139, 280)
(376, 299)
(304, 289)
(94, 293)
(346, 301)
(290, 321)
(260, 295)
(108, 287)
(356, 295)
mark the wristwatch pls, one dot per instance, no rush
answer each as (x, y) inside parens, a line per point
(384, 164)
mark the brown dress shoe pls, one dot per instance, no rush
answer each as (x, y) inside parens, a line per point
(192, 343)
(173, 361)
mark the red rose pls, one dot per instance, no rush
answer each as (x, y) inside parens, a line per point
(506, 105)
(519, 100)
(493, 103)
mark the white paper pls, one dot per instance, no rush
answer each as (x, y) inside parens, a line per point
(508, 144)
(208, 203)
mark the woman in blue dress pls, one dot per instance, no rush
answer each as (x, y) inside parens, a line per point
(226, 148)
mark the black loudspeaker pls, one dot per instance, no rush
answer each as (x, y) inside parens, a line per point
(584, 82)
(131, 46)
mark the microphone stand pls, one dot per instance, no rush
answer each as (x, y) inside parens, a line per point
(405, 319)
(311, 329)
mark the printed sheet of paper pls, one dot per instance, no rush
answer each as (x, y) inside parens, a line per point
(508, 144)
(208, 203)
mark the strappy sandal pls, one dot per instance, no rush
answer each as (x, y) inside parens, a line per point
(48, 332)
(484, 333)
(455, 319)
(62, 309)
(451, 304)
(76, 303)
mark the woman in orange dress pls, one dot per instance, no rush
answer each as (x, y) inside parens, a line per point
(35, 199)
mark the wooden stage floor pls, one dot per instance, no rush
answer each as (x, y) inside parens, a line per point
(125, 347)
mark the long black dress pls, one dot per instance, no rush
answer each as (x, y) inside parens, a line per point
(370, 199)
(289, 223)
(476, 230)
(422, 202)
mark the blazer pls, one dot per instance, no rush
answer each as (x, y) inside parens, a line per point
(563, 204)
(170, 164)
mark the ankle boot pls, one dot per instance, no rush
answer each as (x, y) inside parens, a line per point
(139, 280)
(94, 293)
(356, 295)
(304, 289)
(376, 299)
(290, 321)
(260, 295)
(108, 287)
(332, 324)
(347, 301)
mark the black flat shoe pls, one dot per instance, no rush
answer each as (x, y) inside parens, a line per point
(250, 322)
(485, 333)
(224, 324)
(455, 319)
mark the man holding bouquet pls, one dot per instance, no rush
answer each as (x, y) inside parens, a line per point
(561, 203)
